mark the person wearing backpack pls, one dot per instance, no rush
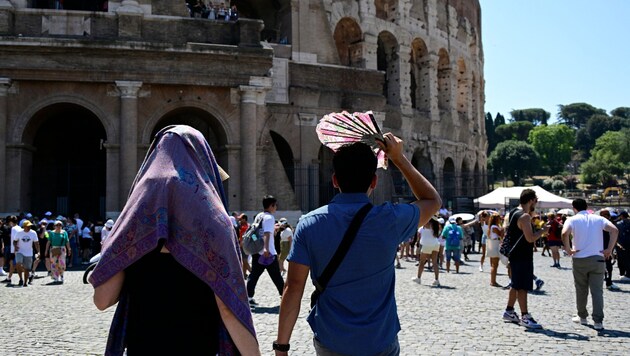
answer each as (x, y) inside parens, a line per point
(521, 232)
(267, 257)
(623, 246)
(453, 234)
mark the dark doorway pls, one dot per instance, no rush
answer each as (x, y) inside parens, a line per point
(69, 162)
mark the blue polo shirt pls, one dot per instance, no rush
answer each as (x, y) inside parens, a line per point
(356, 314)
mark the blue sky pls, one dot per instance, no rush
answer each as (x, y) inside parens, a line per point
(542, 53)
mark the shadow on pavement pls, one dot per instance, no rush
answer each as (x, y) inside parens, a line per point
(266, 310)
(613, 333)
(559, 335)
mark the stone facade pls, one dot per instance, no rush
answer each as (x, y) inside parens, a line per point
(104, 82)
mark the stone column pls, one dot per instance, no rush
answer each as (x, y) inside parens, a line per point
(5, 83)
(112, 181)
(128, 135)
(248, 148)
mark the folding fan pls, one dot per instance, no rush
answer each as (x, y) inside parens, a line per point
(337, 129)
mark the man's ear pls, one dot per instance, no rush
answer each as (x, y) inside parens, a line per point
(374, 182)
(334, 181)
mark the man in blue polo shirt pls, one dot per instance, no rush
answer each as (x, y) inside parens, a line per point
(356, 314)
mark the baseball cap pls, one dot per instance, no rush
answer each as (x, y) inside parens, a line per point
(48, 213)
(452, 220)
(109, 223)
(29, 215)
(57, 222)
(27, 223)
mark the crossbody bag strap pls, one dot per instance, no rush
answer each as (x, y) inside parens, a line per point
(509, 225)
(342, 250)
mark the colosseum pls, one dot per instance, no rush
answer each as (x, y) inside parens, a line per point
(83, 89)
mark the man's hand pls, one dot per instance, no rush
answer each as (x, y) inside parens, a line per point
(571, 252)
(266, 253)
(393, 147)
(607, 253)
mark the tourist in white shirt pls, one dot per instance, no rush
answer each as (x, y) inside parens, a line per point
(23, 244)
(589, 255)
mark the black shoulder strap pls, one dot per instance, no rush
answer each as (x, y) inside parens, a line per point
(343, 248)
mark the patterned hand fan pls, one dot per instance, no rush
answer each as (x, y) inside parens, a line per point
(337, 129)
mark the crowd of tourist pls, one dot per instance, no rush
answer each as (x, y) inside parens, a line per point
(57, 243)
(212, 11)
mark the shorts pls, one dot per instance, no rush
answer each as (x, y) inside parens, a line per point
(86, 243)
(552, 243)
(8, 256)
(430, 248)
(285, 247)
(522, 274)
(27, 262)
(483, 239)
(454, 254)
(442, 242)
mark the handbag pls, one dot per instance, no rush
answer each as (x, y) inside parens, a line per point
(321, 283)
(55, 251)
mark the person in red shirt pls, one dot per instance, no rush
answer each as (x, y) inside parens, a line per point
(554, 239)
(243, 226)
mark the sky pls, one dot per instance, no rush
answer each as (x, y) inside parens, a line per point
(543, 53)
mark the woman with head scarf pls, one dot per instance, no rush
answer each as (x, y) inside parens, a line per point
(171, 260)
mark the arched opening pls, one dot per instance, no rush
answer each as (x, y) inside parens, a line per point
(466, 182)
(209, 127)
(276, 15)
(422, 161)
(326, 189)
(419, 73)
(462, 90)
(387, 61)
(444, 80)
(449, 186)
(349, 41)
(286, 156)
(68, 164)
(386, 9)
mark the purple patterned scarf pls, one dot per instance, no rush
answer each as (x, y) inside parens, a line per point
(178, 196)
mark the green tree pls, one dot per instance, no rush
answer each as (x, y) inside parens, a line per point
(596, 126)
(609, 157)
(517, 130)
(535, 116)
(621, 111)
(514, 159)
(577, 114)
(554, 144)
(499, 120)
(492, 141)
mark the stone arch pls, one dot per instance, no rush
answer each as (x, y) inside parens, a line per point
(218, 121)
(444, 80)
(448, 179)
(25, 125)
(466, 179)
(387, 54)
(63, 142)
(463, 93)
(420, 90)
(349, 41)
(386, 9)
(421, 159)
(286, 156)
(418, 10)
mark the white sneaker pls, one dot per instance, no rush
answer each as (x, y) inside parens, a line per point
(480, 268)
(578, 320)
(528, 321)
(613, 287)
(436, 283)
(416, 279)
(3, 273)
(598, 326)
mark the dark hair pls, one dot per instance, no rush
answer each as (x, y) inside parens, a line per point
(435, 226)
(354, 166)
(579, 204)
(527, 195)
(268, 200)
(12, 218)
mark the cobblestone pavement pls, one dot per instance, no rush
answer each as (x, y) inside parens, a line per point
(461, 317)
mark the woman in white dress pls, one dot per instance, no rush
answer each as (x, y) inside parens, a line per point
(430, 247)
(495, 234)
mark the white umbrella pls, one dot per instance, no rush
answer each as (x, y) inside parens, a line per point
(464, 216)
(568, 212)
